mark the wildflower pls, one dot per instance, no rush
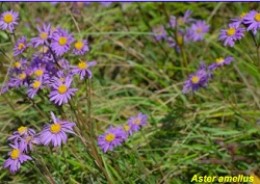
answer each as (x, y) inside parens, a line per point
(18, 65)
(8, 20)
(198, 30)
(61, 41)
(159, 33)
(180, 21)
(20, 46)
(171, 41)
(221, 62)
(34, 87)
(44, 35)
(16, 158)
(62, 92)
(19, 79)
(232, 34)
(197, 80)
(112, 138)
(56, 133)
(21, 132)
(239, 20)
(252, 21)
(83, 69)
(136, 122)
(80, 47)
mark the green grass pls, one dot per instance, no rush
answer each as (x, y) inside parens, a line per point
(211, 132)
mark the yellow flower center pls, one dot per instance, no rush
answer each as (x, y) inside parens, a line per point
(8, 18)
(82, 65)
(22, 130)
(195, 79)
(242, 15)
(21, 46)
(126, 128)
(44, 35)
(62, 89)
(179, 39)
(44, 49)
(22, 76)
(62, 40)
(137, 121)
(110, 137)
(231, 31)
(79, 45)
(36, 84)
(257, 17)
(15, 154)
(17, 64)
(219, 60)
(38, 72)
(199, 30)
(55, 128)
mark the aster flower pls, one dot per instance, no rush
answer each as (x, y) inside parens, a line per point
(8, 20)
(221, 62)
(231, 35)
(112, 138)
(19, 65)
(22, 131)
(56, 133)
(171, 42)
(61, 41)
(16, 158)
(62, 92)
(20, 46)
(83, 69)
(34, 87)
(198, 30)
(180, 21)
(159, 33)
(197, 80)
(80, 47)
(20, 79)
(252, 21)
(39, 72)
(136, 122)
(44, 35)
(239, 20)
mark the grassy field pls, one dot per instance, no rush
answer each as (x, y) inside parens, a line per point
(214, 131)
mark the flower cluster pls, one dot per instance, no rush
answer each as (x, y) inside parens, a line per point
(235, 30)
(24, 138)
(202, 76)
(181, 30)
(48, 70)
(115, 136)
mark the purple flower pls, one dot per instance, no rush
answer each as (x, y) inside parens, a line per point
(8, 20)
(252, 21)
(16, 158)
(21, 132)
(44, 35)
(61, 41)
(55, 133)
(83, 69)
(112, 138)
(62, 92)
(232, 34)
(197, 80)
(181, 21)
(19, 65)
(171, 42)
(34, 87)
(136, 122)
(239, 20)
(159, 33)
(221, 62)
(20, 46)
(81, 47)
(198, 30)
(20, 79)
